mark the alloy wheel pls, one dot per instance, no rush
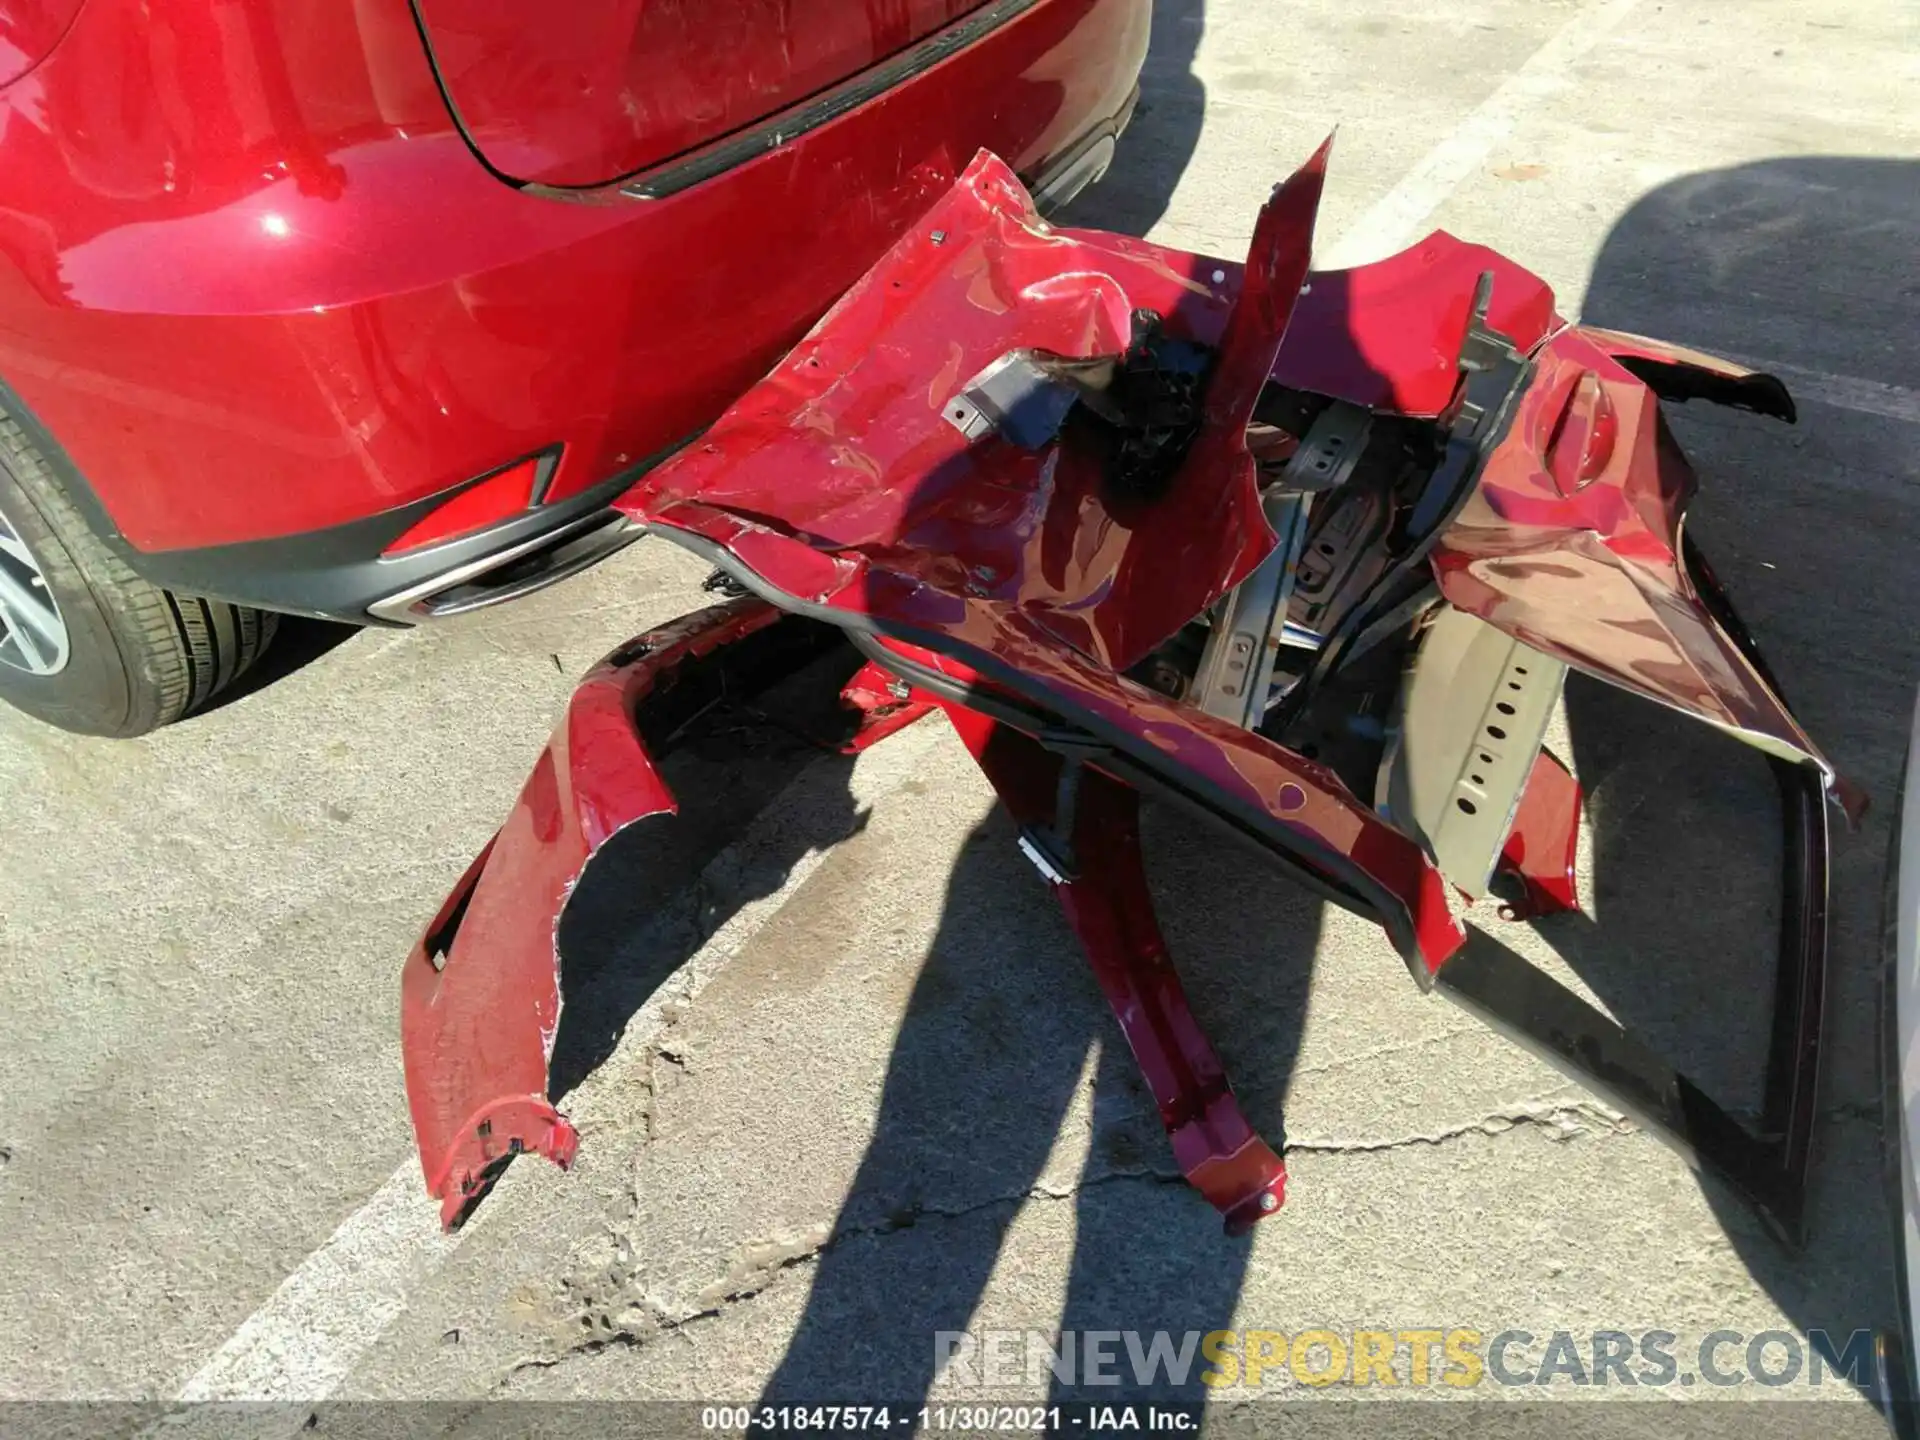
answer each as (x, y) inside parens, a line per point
(33, 637)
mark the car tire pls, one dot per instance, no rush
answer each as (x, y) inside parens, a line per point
(86, 644)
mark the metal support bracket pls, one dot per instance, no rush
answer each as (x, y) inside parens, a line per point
(1473, 711)
(1236, 668)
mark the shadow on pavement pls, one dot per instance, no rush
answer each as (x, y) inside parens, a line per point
(658, 891)
(1153, 154)
(297, 643)
(987, 1066)
(1806, 264)
(988, 1063)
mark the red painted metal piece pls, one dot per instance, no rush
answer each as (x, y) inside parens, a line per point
(1110, 908)
(1542, 847)
(885, 705)
(1210, 541)
(1582, 439)
(480, 995)
(28, 30)
(1387, 335)
(1586, 564)
(256, 282)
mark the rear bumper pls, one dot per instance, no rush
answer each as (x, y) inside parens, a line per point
(1021, 582)
(478, 1028)
(341, 573)
(215, 391)
(485, 1006)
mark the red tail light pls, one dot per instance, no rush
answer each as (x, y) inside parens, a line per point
(501, 495)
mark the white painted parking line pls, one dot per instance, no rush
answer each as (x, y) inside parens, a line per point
(304, 1340)
(1400, 216)
(309, 1335)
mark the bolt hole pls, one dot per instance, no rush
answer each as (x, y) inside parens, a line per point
(1496, 732)
(1519, 669)
(1513, 685)
(1486, 759)
(1478, 779)
(1504, 708)
(1466, 805)
(1324, 548)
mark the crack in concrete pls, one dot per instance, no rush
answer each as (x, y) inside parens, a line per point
(1560, 1123)
(1398, 1047)
(654, 1322)
(628, 1322)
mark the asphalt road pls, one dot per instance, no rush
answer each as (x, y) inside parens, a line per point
(883, 1097)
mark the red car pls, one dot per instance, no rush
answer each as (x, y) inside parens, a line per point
(367, 310)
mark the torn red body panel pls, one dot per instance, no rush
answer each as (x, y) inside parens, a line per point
(480, 995)
(1571, 543)
(1107, 903)
(1039, 476)
(1542, 848)
(884, 703)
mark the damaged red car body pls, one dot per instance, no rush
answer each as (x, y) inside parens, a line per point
(1308, 552)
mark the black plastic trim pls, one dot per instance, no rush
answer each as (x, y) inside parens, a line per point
(337, 573)
(1676, 380)
(679, 174)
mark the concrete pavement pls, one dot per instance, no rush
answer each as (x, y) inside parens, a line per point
(885, 1098)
